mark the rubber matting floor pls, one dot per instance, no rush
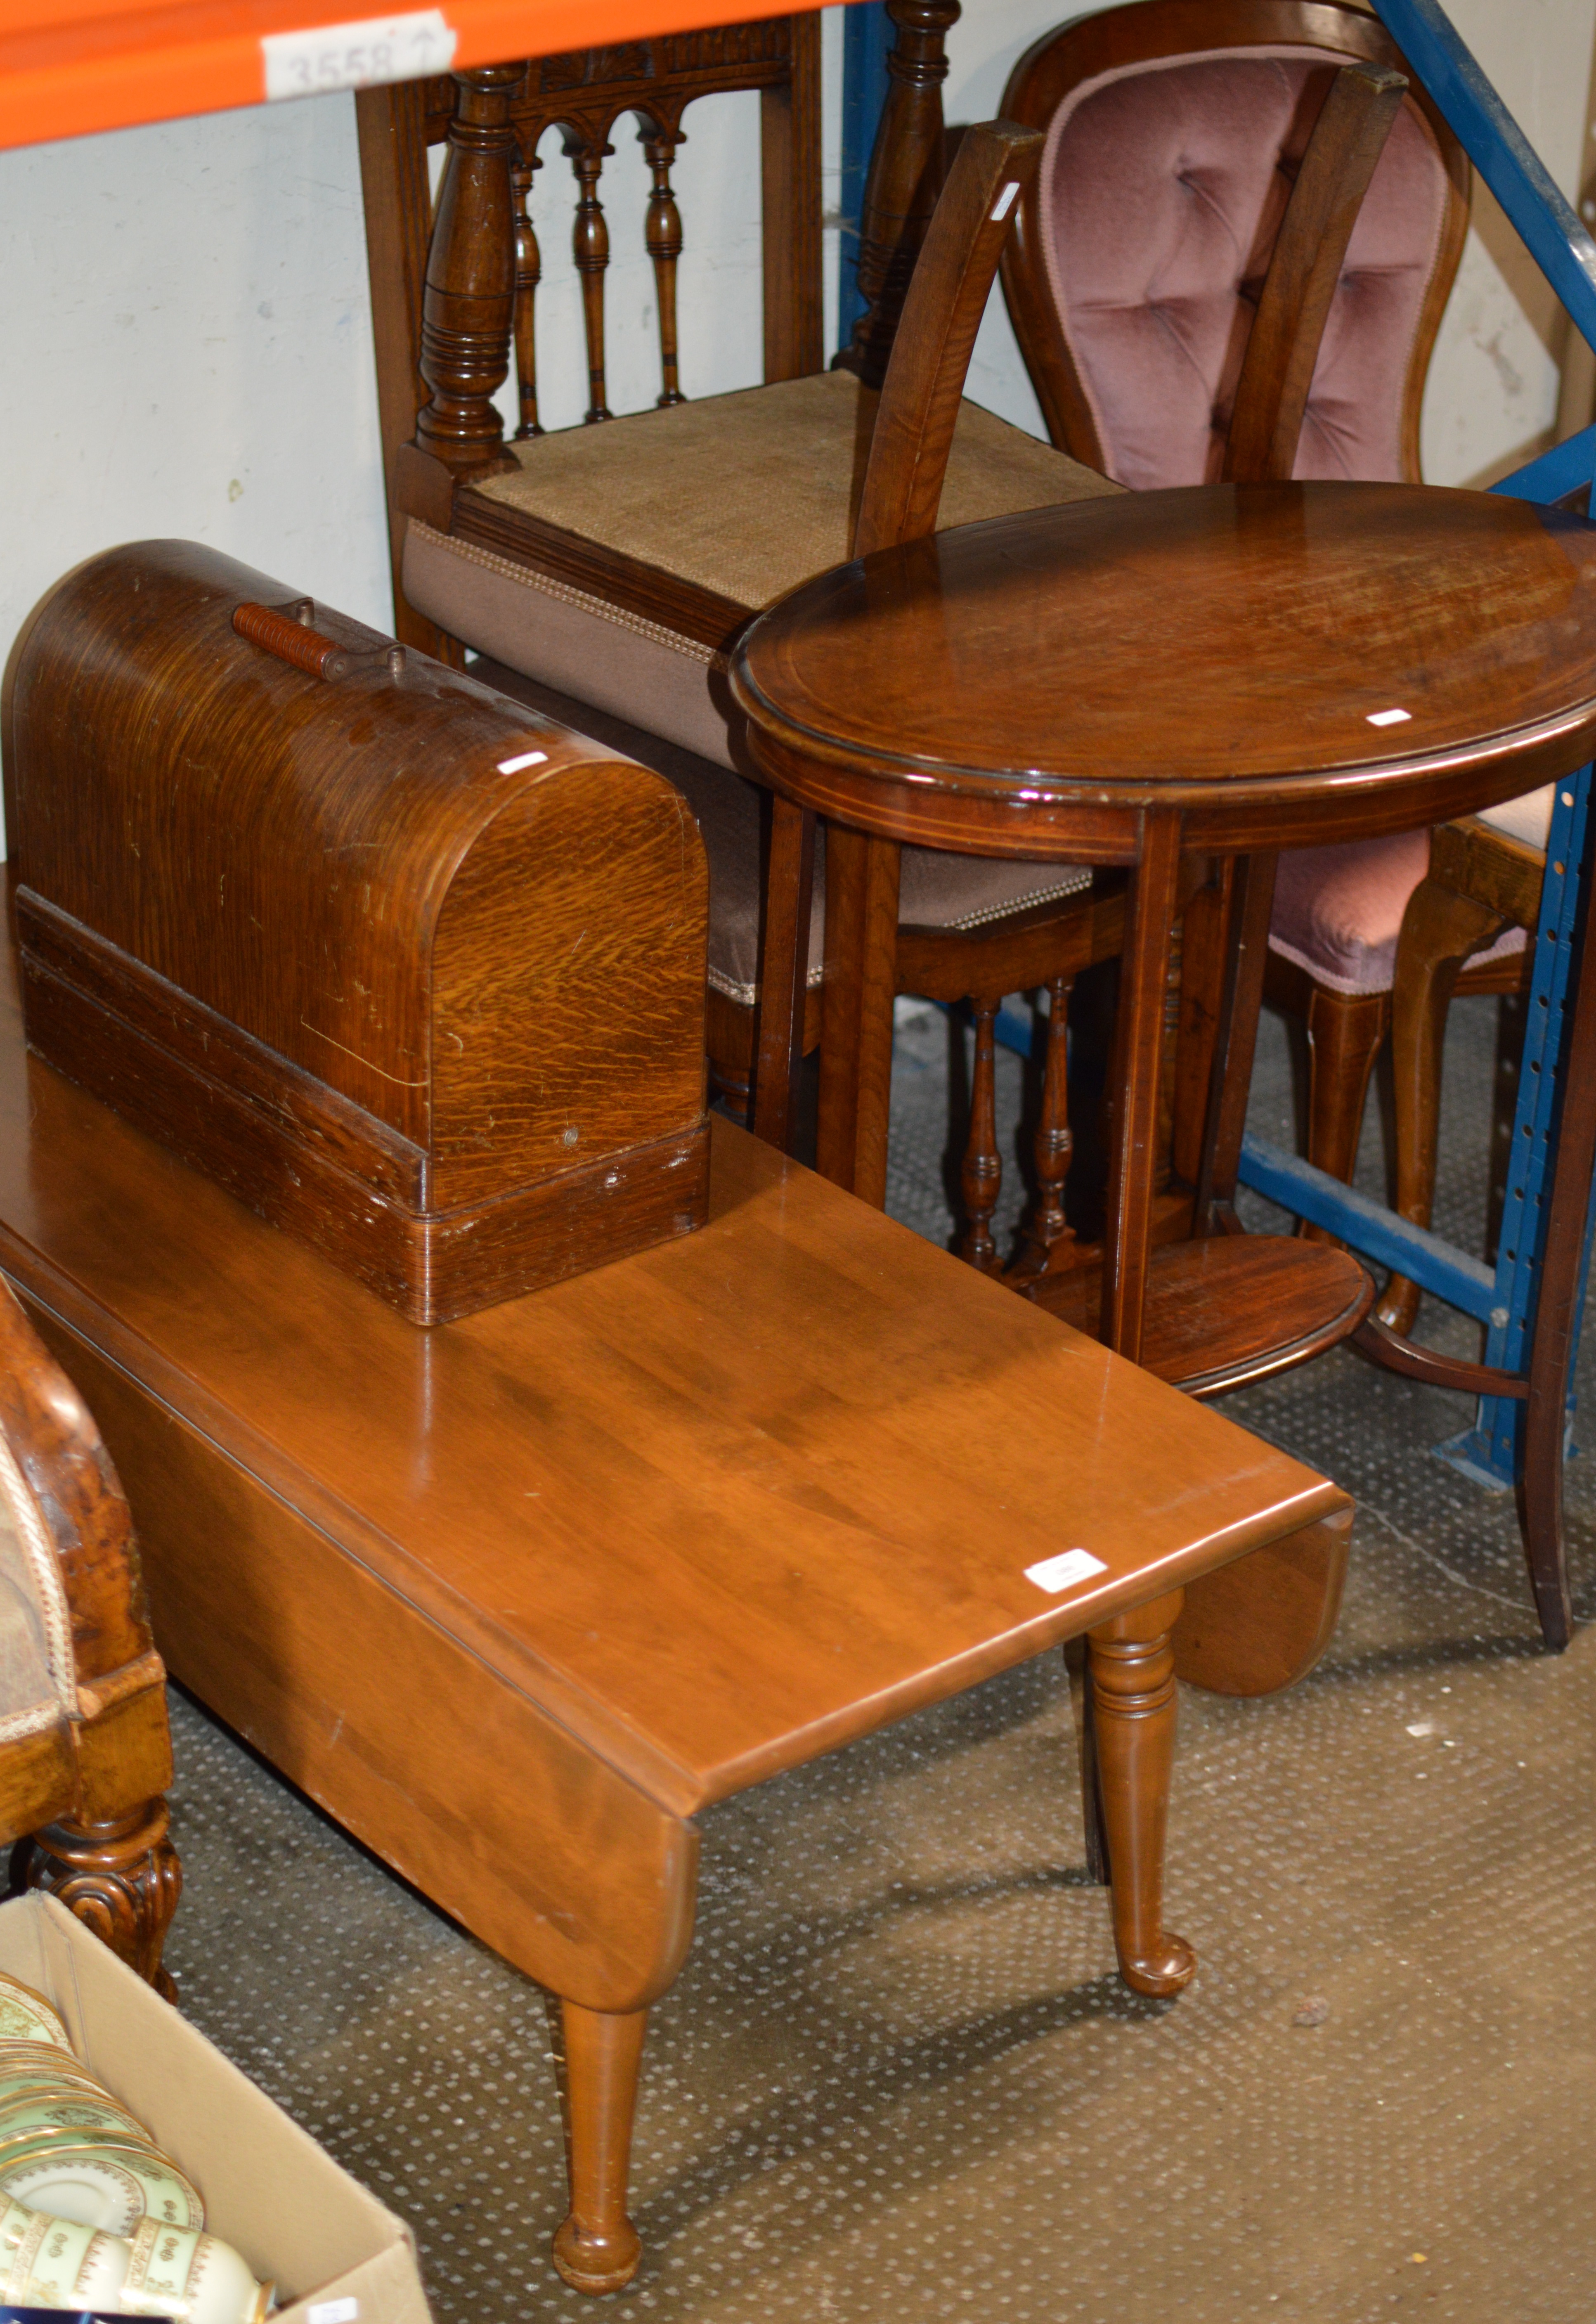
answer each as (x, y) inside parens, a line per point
(899, 2078)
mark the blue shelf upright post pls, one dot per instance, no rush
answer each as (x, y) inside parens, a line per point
(1558, 241)
(867, 35)
(1491, 1451)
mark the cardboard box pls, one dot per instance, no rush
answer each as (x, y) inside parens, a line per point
(337, 2255)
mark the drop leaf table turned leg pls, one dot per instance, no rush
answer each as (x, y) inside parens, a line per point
(1131, 1663)
(597, 2249)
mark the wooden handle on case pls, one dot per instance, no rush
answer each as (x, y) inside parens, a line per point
(291, 642)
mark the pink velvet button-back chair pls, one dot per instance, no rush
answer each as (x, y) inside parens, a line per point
(1174, 128)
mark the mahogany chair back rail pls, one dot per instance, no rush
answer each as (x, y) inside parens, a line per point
(1074, 369)
(493, 121)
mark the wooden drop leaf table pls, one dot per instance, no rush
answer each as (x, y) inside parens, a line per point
(513, 1598)
(1220, 672)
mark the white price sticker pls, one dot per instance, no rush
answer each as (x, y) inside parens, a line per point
(1062, 1573)
(360, 55)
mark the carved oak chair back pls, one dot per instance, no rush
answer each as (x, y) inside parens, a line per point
(493, 122)
(1174, 131)
(85, 1751)
(608, 567)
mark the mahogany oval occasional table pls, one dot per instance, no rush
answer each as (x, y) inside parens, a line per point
(1218, 670)
(1223, 670)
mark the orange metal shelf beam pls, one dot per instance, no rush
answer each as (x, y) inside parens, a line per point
(64, 73)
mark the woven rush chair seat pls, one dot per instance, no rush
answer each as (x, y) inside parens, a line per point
(734, 500)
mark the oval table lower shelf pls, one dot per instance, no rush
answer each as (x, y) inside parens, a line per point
(1230, 1309)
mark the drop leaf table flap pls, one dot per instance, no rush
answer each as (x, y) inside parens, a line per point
(513, 1596)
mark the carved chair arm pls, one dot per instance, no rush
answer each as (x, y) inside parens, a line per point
(66, 1494)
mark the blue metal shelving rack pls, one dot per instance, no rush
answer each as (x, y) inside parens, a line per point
(1492, 1451)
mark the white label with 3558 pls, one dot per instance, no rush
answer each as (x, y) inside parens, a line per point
(359, 55)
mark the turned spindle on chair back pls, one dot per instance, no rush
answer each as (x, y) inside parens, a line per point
(454, 292)
(459, 286)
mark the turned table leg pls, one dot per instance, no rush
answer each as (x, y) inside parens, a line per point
(1131, 1674)
(120, 1877)
(597, 2248)
(1139, 1050)
(784, 970)
(862, 885)
(1252, 903)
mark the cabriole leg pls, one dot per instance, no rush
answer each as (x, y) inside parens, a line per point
(1131, 1673)
(1440, 929)
(121, 1878)
(1344, 1032)
(597, 2249)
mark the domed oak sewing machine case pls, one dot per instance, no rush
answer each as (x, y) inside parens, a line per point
(416, 974)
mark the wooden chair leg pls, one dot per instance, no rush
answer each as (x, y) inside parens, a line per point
(120, 1877)
(1049, 1239)
(730, 1086)
(982, 1176)
(862, 877)
(1344, 1032)
(1131, 1666)
(1440, 929)
(597, 2249)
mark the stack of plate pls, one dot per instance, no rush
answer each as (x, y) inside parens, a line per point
(95, 2215)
